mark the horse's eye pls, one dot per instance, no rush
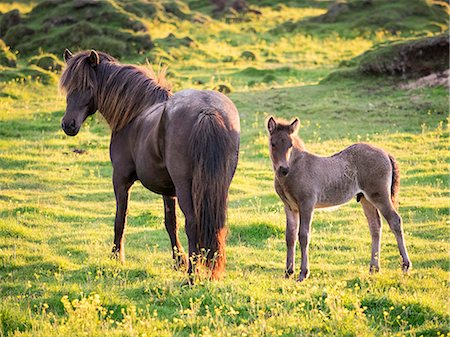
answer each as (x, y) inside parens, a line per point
(272, 144)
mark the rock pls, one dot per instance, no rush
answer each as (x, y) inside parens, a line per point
(223, 88)
(334, 10)
(432, 80)
(47, 62)
(412, 58)
(58, 21)
(16, 34)
(248, 55)
(78, 4)
(8, 20)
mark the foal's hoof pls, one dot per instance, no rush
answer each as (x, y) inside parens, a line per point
(302, 277)
(374, 269)
(288, 273)
(406, 266)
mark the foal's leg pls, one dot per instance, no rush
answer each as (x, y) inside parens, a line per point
(170, 221)
(306, 211)
(122, 186)
(374, 220)
(395, 223)
(292, 223)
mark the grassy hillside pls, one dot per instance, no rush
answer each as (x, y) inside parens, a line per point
(57, 202)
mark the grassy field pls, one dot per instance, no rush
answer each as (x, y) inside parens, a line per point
(57, 206)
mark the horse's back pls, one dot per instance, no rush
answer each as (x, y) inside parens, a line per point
(188, 104)
(182, 112)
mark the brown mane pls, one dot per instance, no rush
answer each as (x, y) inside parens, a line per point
(121, 91)
(283, 125)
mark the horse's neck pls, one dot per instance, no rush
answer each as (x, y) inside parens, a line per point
(120, 106)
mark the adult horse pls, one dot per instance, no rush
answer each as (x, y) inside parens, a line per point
(183, 146)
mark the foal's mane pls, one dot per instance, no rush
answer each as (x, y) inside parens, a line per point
(283, 126)
(121, 91)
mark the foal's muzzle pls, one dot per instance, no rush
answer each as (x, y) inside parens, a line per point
(283, 171)
(70, 128)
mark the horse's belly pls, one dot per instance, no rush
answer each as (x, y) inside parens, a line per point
(156, 180)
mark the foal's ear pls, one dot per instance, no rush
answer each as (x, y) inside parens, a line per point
(67, 55)
(94, 59)
(271, 125)
(293, 127)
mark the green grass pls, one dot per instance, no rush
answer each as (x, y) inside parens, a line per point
(57, 207)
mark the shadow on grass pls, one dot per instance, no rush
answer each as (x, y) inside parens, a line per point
(254, 234)
(396, 315)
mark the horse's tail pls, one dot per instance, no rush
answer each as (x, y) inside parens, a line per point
(395, 185)
(211, 149)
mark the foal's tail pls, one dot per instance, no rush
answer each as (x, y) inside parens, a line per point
(395, 185)
(211, 148)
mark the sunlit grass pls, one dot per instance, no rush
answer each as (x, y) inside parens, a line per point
(57, 206)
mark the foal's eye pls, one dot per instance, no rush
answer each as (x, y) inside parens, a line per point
(272, 144)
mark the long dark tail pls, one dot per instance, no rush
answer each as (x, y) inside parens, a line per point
(395, 186)
(211, 148)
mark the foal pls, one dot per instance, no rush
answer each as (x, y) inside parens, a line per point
(305, 181)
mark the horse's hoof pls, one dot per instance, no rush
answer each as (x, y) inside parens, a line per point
(180, 262)
(189, 282)
(118, 256)
(374, 269)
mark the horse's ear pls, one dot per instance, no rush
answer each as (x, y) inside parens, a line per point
(293, 127)
(271, 125)
(67, 55)
(94, 59)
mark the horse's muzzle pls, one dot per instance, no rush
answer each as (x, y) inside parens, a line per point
(70, 128)
(283, 171)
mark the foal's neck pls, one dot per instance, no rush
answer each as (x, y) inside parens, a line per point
(297, 143)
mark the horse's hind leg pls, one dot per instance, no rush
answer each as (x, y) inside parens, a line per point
(292, 223)
(185, 201)
(374, 220)
(388, 211)
(122, 185)
(170, 221)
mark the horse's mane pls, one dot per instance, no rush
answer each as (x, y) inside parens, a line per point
(121, 91)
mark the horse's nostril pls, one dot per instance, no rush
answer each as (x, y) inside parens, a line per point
(72, 124)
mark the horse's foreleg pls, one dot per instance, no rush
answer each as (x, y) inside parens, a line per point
(292, 223)
(170, 221)
(306, 211)
(374, 220)
(121, 189)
